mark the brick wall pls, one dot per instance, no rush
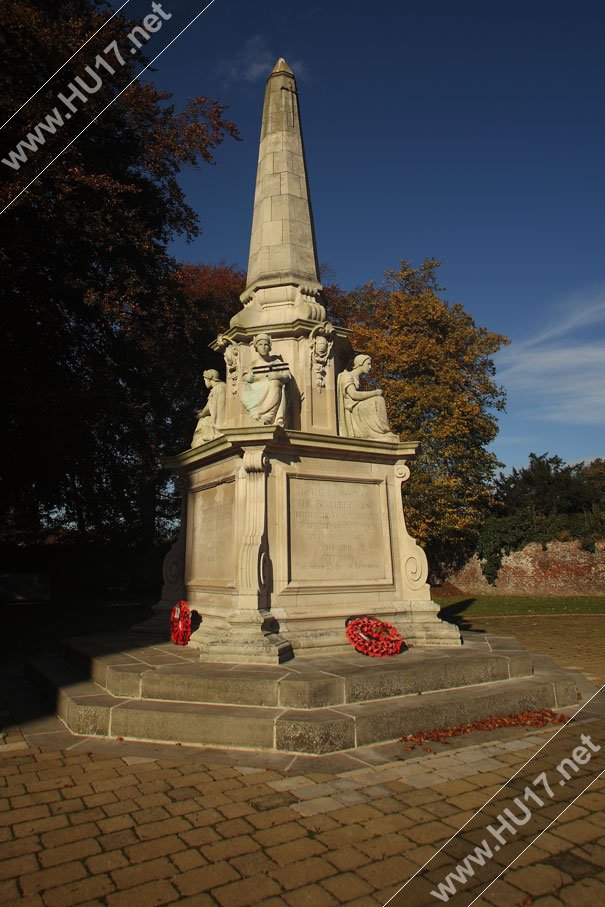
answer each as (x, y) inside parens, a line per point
(563, 569)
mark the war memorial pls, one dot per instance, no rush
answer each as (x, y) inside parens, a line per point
(293, 523)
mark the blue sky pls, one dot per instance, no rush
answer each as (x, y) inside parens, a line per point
(470, 132)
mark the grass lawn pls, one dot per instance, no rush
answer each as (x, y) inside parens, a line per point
(518, 605)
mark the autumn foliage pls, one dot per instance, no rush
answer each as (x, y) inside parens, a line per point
(436, 368)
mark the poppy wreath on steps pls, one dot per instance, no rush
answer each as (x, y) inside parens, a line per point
(374, 637)
(180, 624)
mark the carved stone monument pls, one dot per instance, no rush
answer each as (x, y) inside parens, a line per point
(293, 484)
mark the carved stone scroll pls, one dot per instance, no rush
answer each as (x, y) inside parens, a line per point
(415, 565)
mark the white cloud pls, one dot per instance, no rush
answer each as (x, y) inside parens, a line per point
(558, 375)
(254, 62)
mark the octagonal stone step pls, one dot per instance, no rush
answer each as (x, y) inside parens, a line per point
(162, 672)
(88, 709)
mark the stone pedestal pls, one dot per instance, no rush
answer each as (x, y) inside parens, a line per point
(289, 534)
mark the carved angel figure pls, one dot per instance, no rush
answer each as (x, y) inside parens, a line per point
(212, 415)
(361, 414)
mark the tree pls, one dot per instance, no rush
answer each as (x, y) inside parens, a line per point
(435, 366)
(547, 486)
(544, 501)
(92, 301)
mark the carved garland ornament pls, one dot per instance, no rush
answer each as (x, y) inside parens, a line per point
(321, 344)
(230, 351)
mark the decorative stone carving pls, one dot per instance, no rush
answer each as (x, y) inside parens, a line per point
(321, 343)
(415, 565)
(362, 414)
(266, 385)
(212, 415)
(253, 561)
(231, 354)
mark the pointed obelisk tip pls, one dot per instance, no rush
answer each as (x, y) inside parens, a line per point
(282, 66)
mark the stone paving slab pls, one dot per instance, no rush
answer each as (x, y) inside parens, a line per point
(106, 822)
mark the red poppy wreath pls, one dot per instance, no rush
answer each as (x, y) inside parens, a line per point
(374, 637)
(180, 624)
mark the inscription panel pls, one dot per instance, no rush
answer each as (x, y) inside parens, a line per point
(338, 531)
(213, 543)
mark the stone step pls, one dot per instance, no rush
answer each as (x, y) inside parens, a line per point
(162, 672)
(88, 709)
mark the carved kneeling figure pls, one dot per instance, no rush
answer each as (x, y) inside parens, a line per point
(212, 415)
(362, 414)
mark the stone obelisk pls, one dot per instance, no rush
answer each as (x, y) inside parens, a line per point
(293, 516)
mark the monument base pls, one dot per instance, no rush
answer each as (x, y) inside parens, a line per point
(131, 688)
(289, 534)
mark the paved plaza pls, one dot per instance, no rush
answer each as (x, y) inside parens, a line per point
(110, 822)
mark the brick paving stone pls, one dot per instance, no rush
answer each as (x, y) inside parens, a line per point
(284, 854)
(537, 879)
(152, 894)
(43, 879)
(9, 891)
(149, 871)
(255, 863)
(346, 834)
(310, 896)
(21, 846)
(318, 823)
(279, 834)
(205, 878)
(501, 894)
(319, 805)
(198, 837)
(295, 875)
(156, 847)
(548, 901)
(185, 860)
(272, 817)
(585, 893)
(369, 901)
(347, 858)
(246, 891)
(17, 866)
(117, 839)
(392, 871)
(200, 817)
(384, 846)
(26, 829)
(75, 850)
(235, 810)
(579, 831)
(115, 823)
(69, 835)
(78, 892)
(105, 862)
(354, 814)
(346, 885)
(163, 828)
(233, 827)
(232, 847)
(181, 807)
